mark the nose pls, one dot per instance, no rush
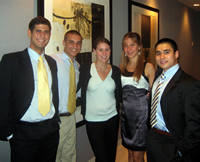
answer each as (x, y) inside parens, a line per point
(42, 34)
(75, 45)
(162, 56)
(129, 48)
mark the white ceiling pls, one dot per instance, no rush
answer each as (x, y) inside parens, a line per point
(190, 3)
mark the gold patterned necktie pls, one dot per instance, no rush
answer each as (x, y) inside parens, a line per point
(71, 106)
(43, 88)
(153, 119)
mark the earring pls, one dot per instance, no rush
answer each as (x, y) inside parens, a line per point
(125, 55)
(139, 52)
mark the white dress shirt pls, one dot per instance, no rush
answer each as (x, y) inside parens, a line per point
(32, 114)
(168, 76)
(63, 65)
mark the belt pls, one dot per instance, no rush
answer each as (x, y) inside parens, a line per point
(161, 132)
(41, 123)
(65, 114)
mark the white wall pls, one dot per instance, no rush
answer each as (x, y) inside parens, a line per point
(120, 27)
(14, 17)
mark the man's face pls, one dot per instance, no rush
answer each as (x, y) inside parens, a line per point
(39, 38)
(165, 56)
(72, 45)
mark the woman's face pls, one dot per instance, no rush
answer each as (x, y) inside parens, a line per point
(131, 48)
(102, 52)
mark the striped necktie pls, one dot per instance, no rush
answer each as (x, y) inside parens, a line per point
(153, 119)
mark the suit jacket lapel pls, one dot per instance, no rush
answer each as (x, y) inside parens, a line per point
(172, 82)
(158, 73)
(50, 66)
(28, 70)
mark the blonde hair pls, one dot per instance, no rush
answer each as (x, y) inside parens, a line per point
(135, 37)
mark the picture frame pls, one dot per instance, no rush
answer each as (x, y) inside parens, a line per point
(92, 18)
(144, 20)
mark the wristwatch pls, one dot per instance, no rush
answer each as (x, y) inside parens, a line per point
(179, 153)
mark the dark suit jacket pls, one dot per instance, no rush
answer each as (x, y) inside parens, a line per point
(17, 87)
(84, 78)
(180, 104)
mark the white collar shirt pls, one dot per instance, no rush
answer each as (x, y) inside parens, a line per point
(168, 76)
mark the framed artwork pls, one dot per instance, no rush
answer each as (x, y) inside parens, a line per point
(145, 21)
(92, 18)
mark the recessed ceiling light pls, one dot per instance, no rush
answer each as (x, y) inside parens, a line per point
(196, 5)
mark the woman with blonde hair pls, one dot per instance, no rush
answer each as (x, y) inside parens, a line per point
(137, 78)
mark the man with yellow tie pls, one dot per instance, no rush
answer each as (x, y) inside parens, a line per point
(29, 98)
(68, 75)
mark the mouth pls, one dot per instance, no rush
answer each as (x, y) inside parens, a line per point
(163, 62)
(104, 58)
(129, 53)
(74, 50)
(41, 40)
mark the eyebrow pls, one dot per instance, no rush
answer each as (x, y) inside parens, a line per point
(166, 50)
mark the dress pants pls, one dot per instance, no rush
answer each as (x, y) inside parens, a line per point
(163, 148)
(103, 138)
(31, 143)
(67, 144)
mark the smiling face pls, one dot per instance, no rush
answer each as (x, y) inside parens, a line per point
(165, 56)
(72, 45)
(102, 52)
(39, 37)
(131, 48)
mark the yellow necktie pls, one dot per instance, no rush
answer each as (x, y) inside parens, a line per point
(71, 106)
(43, 89)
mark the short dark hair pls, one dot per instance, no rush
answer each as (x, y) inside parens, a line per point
(100, 40)
(71, 32)
(169, 41)
(38, 20)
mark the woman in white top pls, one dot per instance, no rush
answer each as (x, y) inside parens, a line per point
(100, 85)
(137, 78)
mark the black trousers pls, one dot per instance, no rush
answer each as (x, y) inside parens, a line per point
(31, 143)
(162, 148)
(103, 138)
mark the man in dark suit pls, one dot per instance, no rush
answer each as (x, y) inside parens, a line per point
(33, 135)
(175, 109)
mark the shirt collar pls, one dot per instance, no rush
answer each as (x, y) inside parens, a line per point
(66, 57)
(170, 72)
(34, 55)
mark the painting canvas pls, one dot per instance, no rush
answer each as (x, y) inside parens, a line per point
(90, 17)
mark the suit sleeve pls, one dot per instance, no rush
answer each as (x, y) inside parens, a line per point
(191, 137)
(7, 125)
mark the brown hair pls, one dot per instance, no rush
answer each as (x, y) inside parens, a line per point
(100, 40)
(72, 32)
(38, 20)
(135, 37)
